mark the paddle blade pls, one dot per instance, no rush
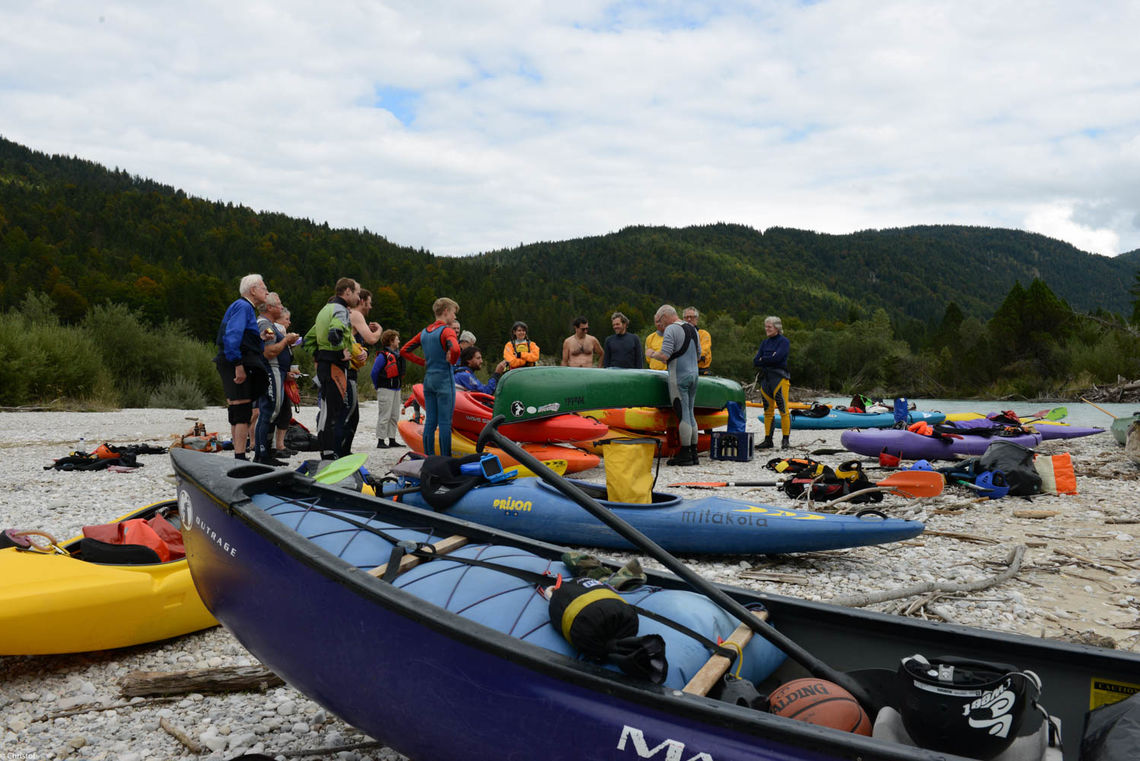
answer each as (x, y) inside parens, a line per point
(915, 483)
(1057, 413)
(338, 470)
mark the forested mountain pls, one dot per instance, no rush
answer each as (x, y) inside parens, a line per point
(84, 235)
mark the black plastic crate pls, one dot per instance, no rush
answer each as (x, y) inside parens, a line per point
(731, 445)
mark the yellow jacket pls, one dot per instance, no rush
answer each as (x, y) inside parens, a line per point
(653, 341)
(706, 349)
(524, 354)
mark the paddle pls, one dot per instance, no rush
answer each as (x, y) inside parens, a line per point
(792, 649)
(338, 470)
(1053, 415)
(1102, 409)
(907, 483)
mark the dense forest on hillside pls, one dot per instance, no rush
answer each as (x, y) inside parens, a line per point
(930, 306)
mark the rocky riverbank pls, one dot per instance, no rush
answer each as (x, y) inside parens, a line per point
(1076, 580)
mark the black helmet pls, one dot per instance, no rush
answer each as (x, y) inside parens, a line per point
(967, 707)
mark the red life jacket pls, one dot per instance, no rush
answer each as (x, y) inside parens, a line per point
(156, 533)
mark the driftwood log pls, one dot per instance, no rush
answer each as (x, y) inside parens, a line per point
(1013, 562)
(225, 679)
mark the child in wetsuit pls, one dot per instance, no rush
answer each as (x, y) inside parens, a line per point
(441, 348)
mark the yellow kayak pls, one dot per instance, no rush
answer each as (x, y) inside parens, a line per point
(58, 603)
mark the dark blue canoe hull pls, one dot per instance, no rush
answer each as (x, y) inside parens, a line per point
(709, 525)
(436, 685)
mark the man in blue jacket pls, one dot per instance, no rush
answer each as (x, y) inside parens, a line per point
(241, 364)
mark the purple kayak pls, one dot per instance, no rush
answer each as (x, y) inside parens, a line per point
(1047, 428)
(913, 446)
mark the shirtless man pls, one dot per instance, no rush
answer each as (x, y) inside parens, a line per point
(581, 349)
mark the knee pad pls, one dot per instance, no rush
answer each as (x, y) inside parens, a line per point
(241, 413)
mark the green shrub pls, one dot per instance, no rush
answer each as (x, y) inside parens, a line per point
(44, 361)
(134, 394)
(178, 393)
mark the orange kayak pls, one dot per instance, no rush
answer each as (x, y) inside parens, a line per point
(655, 419)
(668, 448)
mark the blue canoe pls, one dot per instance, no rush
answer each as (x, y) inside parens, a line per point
(710, 525)
(836, 419)
(450, 661)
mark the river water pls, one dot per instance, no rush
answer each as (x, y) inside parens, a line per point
(1079, 413)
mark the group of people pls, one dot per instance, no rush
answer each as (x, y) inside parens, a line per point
(255, 363)
(623, 349)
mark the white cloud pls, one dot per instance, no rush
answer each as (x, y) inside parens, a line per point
(548, 120)
(1056, 221)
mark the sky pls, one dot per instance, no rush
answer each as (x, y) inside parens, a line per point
(475, 125)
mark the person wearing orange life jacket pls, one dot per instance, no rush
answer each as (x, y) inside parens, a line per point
(388, 378)
(520, 351)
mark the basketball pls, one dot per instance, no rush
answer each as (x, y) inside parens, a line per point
(818, 701)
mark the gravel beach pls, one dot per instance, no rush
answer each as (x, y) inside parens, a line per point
(1078, 581)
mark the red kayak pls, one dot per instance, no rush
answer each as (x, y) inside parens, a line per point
(576, 460)
(473, 411)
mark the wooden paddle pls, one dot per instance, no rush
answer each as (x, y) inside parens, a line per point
(1102, 409)
(906, 483)
(729, 604)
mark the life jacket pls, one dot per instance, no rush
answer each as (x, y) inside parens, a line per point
(391, 365)
(156, 533)
(515, 348)
(826, 483)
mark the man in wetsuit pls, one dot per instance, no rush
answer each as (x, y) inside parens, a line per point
(240, 362)
(581, 349)
(332, 332)
(623, 349)
(680, 349)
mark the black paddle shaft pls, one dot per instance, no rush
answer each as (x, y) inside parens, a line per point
(792, 649)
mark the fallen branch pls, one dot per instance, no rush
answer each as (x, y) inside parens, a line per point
(95, 708)
(192, 745)
(1013, 562)
(1035, 514)
(963, 537)
(225, 679)
(330, 751)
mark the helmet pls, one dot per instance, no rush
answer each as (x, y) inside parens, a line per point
(968, 707)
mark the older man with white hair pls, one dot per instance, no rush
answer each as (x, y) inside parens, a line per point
(240, 361)
(680, 350)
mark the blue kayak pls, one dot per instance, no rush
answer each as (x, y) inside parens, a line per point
(837, 419)
(709, 525)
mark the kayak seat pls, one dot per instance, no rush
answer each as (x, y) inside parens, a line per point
(103, 553)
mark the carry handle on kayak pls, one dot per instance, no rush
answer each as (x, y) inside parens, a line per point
(790, 648)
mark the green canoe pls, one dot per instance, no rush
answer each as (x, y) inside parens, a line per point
(536, 392)
(1120, 427)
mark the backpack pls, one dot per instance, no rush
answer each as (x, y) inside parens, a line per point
(1016, 462)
